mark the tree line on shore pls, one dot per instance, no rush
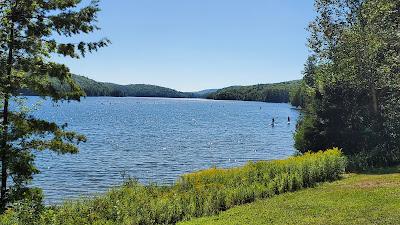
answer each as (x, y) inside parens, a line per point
(274, 93)
(92, 88)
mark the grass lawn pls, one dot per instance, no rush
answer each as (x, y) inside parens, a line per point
(371, 198)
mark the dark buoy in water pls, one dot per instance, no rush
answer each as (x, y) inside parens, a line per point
(288, 120)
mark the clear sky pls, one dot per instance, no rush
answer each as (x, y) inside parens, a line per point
(191, 45)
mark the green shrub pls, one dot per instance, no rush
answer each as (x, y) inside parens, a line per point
(197, 194)
(373, 159)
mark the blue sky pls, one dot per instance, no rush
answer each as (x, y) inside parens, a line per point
(191, 45)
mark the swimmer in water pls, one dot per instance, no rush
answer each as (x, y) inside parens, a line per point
(288, 119)
(273, 122)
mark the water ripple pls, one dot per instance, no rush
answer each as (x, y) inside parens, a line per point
(157, 140)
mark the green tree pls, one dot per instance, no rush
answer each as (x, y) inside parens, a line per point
(28, 37)
(302, 93)
(357, 75)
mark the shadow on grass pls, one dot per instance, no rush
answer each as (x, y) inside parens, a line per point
(382, 171)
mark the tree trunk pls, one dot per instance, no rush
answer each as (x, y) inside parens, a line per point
(4, 139)
(4, 156)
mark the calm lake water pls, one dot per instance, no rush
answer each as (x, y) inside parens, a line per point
(157, 140)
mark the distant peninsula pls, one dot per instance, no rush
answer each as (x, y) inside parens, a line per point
(275, 93)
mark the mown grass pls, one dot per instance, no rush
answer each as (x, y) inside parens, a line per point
(371, 198)
(198, 194)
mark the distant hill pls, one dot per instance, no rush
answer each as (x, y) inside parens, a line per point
(94, 88)
(276, 93)
(203, 93)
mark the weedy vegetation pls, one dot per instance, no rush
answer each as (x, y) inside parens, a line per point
(203, 193)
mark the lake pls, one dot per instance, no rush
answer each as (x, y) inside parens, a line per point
(157, 140)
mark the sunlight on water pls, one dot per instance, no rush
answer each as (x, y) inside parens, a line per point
(156, 140)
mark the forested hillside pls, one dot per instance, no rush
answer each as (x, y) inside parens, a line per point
(277, 93)
(94, 88)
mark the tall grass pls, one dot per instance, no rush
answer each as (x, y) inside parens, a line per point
(197, 194)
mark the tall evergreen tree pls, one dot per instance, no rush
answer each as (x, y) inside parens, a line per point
(28, 38)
